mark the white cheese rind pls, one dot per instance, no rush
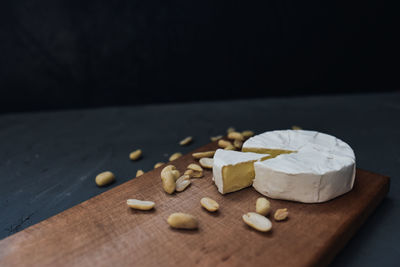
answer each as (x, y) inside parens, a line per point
(296, 140)
(304, 187)
(224, 158)
(322, 168)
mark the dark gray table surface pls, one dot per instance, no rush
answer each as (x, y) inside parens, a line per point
(48, 160)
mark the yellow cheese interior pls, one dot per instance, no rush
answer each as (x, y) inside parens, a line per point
(273, 152)
(241, 175)
(236, 177)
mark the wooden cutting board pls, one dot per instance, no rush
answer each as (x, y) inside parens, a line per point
(103, 231)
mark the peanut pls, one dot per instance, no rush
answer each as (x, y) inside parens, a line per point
(230, 147)
(257, 221)
(223, 143)
(294, 127)
(205, 154)
(195, 167)
(167, 169)
(263, 206)
(230, 129)
(175, 156)
(105, 178)
(247, 134)
(135, 155)
(168, 182)
(182, 185)
(193, 174)
(189, 172)
(215, 138)
(206, 162)
(139, 173)
(170, 169)
(209, 204)
(281, 214)
(197, 170)
(237, 143)
(235, 136)
(182, 178)
(158, 164)
(196, 174)
(140, 204)
(181, 220)
(186, 141)
(176, 174)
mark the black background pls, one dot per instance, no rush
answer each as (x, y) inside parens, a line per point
(73, 54)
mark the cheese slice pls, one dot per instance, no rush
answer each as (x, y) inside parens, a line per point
(308, 166)
(233, 170)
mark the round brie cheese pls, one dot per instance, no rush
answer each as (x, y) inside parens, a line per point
(308, 166)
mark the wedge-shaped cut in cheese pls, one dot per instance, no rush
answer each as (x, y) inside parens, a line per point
(233, 170)
(272, 152)
(314, 167)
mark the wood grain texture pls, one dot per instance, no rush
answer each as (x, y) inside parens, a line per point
(103, 231)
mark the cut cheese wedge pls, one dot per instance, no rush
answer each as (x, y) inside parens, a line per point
(304, 166)
(233, 170)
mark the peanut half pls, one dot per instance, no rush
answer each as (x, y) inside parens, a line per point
(230, 147)
(135, 155)
(168, 182)
(223, 143)
(197, 170)
(247, 134)
(158, 164)
(176, 174)
(193, 174)
(263, 206)
(195, 167)
(186, 141)
(237, 143)
(139, 173)
(205, 154)
(206, 163)
(295, 127)
(209, 204)
(181, 220)
(175, 156)
(189, 173)
(170, 170)
(140, 204)
(281, 214)
(196, 174)
(105, 178)
(257, 221)
(182, 184)
(182, 178)
(235, 136)
(215, 138)
(230, 129)
(167, 169)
